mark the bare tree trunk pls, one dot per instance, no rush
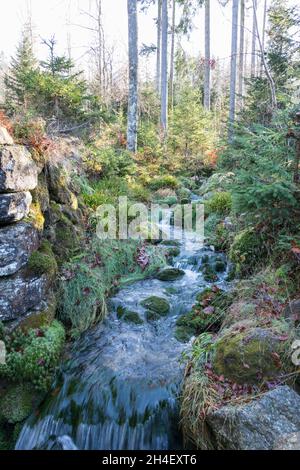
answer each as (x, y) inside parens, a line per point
(207, 56)
(234, 38)
(158, 53)
(133, 75)
(241, 54)
(254, 36)
(268, 73)
(264, 35)
(171, 85)
(164, 68)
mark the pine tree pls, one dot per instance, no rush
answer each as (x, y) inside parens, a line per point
(20, 77)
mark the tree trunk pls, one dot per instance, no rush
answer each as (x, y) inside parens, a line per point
(158, 53)
(268, 73)
(234, 38)
(207, 56)
(172, 56)
(133, 75)
(164, 68)
(264, 35)
(241, 54)
(254, 36)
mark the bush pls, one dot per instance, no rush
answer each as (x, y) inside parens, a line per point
(219, 203)
(247, 251)
(161, 182)
(33, 356)
(109, 162)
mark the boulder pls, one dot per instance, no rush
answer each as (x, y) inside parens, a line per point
(170, 274)
(17, 242)
(14, 207)
(248, 354)
(18, 172)
(5, 138)
(20, 294)
(257, 425)
(157, 305)
(59, 187)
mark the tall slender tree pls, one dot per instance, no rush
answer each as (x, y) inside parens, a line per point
(263, 36)
(133, 75)
(158, 50)
(207, 56)
(172, 60)
(164, 68)
(234, 40)
(254, 37)
(242, 53)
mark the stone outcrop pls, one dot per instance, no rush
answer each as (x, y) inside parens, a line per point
(18, 172)
(17, 243)
(14, 207)
(262, 424)
(5, 138)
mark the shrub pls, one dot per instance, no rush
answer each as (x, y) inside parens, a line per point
(161, 182)
(109, 162)
(33, 356)
(247, 251)
(219, 203)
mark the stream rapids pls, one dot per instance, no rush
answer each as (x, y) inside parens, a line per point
(119, 388)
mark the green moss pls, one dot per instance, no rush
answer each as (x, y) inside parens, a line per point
(183, 334)
(17, 403)
(247, 251)
(250, 354)
(170, 274)
(152, 316)
(156, 304)
(33, 356)
(36, 216)
(173, 251)
(129, 316)
(43, 261)
(220, 203)
(209, 274)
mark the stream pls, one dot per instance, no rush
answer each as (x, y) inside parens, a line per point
(119, 388)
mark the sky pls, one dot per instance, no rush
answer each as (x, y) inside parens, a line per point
(62, 17)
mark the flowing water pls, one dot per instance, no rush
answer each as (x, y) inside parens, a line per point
(119, 388)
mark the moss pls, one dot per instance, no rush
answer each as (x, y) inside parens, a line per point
(43, 261)
(247, 251)
(220, 266)
(40, 195)
(5, 440)
(152, 316)
(40, 318)
(32, 356)
(170, 274)
(157, 305)
(209, 274)
(250, 354)
(183, 334)
(36, 216)
(220, 203)
(129, 316)
(173, 251)
(17, 403)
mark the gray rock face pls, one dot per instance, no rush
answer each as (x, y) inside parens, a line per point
(288, 442)
(18, 172)
(14, 207)
(259, 424)
(17, 242)
(20, 294)
(5, 138)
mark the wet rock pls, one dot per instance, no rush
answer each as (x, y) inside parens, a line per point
(18, 172)
(258, 425)
(156, 304)
(5, 138)
(20, 294)
(14, 207)
(288, 442)
(249, 354)
(129, 316)
(170, 274)
(17, 242)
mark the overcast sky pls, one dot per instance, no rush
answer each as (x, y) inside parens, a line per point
(61, 17)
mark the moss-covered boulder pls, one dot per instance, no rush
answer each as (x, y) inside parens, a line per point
(17, 403)
(209, 274)
(246, 353)
(247, 251)
(129, 316)
(206, 315)
(59, 187)
(173, 251)
(170, 274)
(156, 304)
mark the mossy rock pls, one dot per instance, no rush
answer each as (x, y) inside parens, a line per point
(250, 354)
(43, 261)
(40, 195)
(173, 251)
(59, 187)
(183, 334)
(157, 305)
(40, 318)
(209, 274)
(36, 216)
(171, 243)
(129, 316)
(220, 266)
(18, 402)
(170, 274)
(247, 251)
(150, 316)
